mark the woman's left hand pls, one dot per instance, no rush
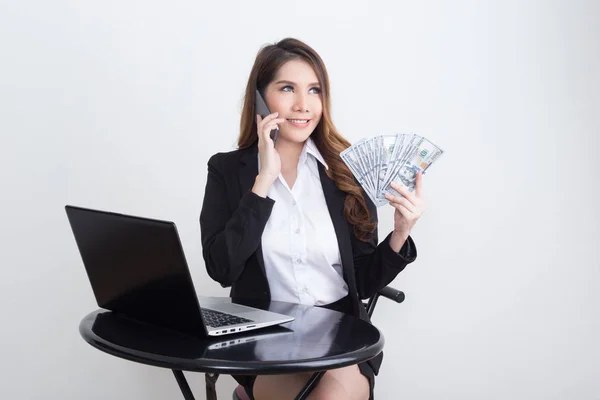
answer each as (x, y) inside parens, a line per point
(408, 208)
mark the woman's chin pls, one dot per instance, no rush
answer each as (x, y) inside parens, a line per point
(296, 135)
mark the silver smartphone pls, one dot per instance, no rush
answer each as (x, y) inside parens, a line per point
(263, 111)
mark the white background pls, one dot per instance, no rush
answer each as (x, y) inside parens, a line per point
(118, 105)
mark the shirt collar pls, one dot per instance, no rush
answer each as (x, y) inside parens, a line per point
(311, 148)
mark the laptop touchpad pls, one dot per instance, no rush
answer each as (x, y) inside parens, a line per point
(231, 308)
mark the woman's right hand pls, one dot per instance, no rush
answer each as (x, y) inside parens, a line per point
(270, 163)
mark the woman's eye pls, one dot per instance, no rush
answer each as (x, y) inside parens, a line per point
(288, 88)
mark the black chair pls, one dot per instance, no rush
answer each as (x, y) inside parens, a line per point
(387, 292)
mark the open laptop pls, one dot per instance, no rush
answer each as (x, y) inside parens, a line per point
(136, 267)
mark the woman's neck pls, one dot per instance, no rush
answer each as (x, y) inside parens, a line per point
(289, 153)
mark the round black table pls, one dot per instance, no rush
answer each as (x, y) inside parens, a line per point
(317, 340)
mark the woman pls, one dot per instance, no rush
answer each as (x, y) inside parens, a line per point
(287, 221)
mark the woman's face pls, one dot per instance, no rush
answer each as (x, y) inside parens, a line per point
(295, 94)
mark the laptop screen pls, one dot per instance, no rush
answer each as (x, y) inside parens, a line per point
(137, 267)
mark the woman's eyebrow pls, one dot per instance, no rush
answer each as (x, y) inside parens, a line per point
(294, 83)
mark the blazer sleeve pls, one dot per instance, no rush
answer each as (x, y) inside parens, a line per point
(375, 266)
(229, 237)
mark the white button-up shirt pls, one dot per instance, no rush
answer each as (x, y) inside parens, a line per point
(300, 248)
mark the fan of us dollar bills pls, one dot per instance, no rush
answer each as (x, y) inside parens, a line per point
(377, 162)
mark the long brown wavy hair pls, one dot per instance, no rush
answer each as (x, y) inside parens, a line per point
(326, 137)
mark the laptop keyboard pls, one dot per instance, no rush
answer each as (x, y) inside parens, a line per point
(215, 319)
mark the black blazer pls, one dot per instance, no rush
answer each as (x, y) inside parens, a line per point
(233, 218)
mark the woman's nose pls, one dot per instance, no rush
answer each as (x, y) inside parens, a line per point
(300, 103)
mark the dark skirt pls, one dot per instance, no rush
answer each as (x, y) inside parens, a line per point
(343, 305)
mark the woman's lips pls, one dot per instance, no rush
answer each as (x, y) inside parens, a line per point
(300, 123)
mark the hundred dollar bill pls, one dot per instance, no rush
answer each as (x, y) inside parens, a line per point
(351, 160)
(357, 160)
(406, 144)
(375, 149)
(387, 144)
(361, 163)
(367, 151)
(421, 158)
(370, 152)
(396, 151)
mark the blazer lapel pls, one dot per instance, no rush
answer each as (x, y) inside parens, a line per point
(335, 198)
(246, 177)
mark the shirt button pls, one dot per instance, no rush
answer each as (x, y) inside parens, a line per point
(298, 261)
(294, 202)
(305, 289)
(297, 231)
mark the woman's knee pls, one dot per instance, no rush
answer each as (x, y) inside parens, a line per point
(347, 383)
(279, 387)
(335, 385)
(329, 393)
(330, 388)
